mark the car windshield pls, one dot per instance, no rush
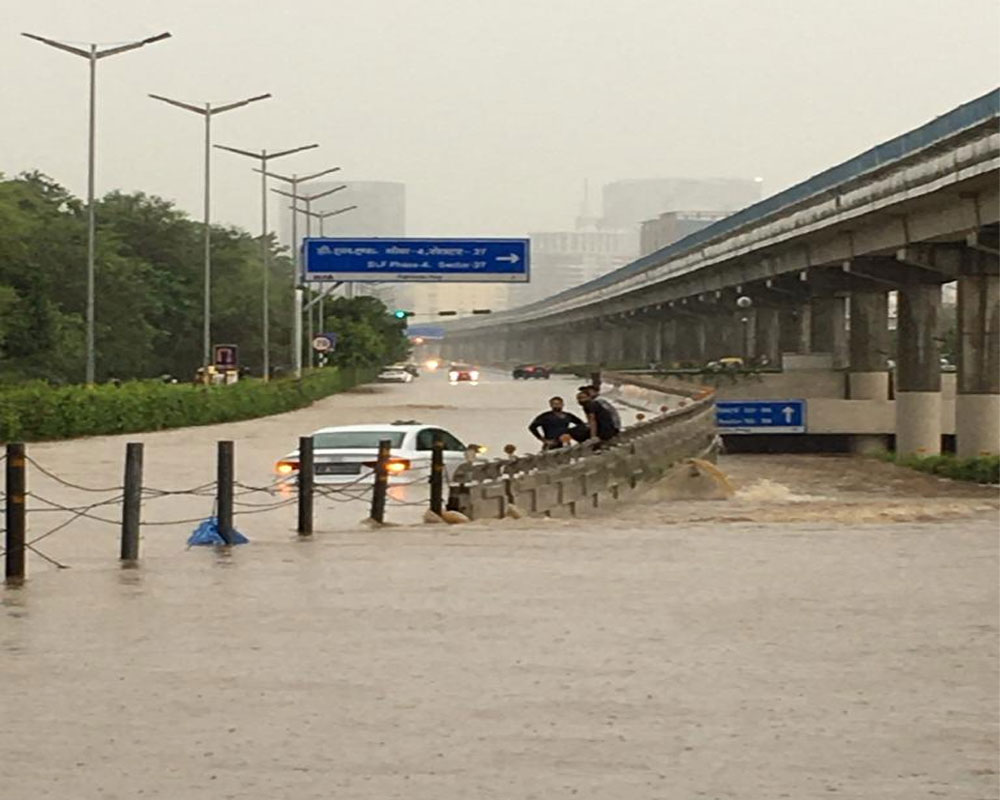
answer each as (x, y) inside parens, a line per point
(336, 440)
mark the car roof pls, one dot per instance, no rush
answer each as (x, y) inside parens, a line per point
(380, 427)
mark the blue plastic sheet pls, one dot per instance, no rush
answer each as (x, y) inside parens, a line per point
(207, 534)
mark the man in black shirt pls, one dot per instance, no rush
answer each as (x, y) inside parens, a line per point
(600, 421)
(550, 426)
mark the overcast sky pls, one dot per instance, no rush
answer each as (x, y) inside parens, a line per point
(492, 112)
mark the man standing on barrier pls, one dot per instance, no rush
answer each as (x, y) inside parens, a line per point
(550, 427)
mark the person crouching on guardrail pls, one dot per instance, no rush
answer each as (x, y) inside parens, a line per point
(595, 394)
(600, 422)
(550, 427)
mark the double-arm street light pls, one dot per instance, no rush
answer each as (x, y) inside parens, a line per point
(208, 111)
(322, 216)
(294, 181)
(265, 251)
(93, 53)
(308, 199)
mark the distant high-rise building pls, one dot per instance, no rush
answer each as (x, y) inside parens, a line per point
(671, 226)
(629, 202)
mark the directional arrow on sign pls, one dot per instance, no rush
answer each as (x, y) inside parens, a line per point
(512, 258)
(789, 412)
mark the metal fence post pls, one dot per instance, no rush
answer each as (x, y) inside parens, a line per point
(381, 480)
(595, 380)
(15, 513)
(224, 491)
(132, 502)
(306, 482)
(437, 474)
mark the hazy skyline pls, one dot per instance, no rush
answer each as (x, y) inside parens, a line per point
(491, 113)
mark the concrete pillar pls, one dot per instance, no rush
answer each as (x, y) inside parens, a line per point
(577, 345)
(869, 346)
(668, 341)
(730, 334)
(654, 339)
(617, 344)
(748, 335)
(977, 403)
(692, 340)
(794, 324)
(827, 329)
(633, 343)
(918, 370)
(767, 335)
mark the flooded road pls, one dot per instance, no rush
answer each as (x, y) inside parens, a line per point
(831, 631)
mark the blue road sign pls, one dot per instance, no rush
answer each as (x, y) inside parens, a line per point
(761, 416)
(416, 260)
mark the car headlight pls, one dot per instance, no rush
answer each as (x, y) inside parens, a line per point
(286, 467)
(453, 376)
(474, 375)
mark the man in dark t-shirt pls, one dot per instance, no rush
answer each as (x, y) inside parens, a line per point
(550, 426)
(600, 422)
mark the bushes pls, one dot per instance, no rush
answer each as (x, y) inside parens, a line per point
(37, 411)
(984, 469)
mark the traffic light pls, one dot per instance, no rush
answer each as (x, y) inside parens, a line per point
(399, 313)
(482, 311)
(447, 313)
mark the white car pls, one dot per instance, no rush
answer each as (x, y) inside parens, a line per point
(395, 375)
(346, 454)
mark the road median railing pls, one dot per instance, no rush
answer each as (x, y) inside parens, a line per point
(584, 477)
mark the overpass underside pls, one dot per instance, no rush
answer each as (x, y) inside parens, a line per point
(818, 272)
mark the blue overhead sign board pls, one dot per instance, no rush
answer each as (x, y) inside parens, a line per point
(761, 416)
(416, 260)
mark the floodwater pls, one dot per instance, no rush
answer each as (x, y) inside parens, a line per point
(830, 631)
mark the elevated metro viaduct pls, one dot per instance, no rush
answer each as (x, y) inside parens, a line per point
(818, 261)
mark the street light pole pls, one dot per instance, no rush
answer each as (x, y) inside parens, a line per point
(308, 199)
(93, 54)
(322, 216)
(265, 251)
(207, 111)
(294, 181)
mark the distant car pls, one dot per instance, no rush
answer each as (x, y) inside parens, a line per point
(526, 371)
(394, 375)
(947, 366)
(462, 372)
(347, 453)
(725, 364)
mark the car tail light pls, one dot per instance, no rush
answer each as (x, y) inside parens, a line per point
(394, 466)
(286, 467)
(453, 376)
(474, 375)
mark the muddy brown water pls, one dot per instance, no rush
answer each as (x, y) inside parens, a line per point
(831, 631)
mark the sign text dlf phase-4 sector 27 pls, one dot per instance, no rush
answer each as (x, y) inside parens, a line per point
(431, 260)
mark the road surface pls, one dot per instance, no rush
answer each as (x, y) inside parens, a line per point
(829, 632)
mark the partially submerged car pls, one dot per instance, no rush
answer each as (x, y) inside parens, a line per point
(346, 454)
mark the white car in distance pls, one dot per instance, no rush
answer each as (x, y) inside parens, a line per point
(346, 454)
(395, 374)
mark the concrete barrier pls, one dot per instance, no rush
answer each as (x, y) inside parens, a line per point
(583, 477)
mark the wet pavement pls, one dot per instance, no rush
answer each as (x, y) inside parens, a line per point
(831, 631)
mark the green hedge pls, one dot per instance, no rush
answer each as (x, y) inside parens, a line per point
(37, 411)
(984, 469)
